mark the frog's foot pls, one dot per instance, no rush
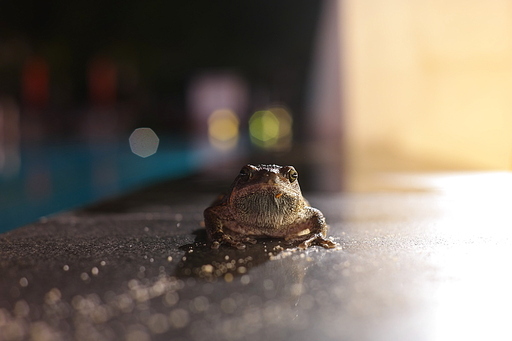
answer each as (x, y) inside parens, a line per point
(320, 240)
(225, 239)
(250, 240)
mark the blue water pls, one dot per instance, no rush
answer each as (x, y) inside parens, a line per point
(60, 176)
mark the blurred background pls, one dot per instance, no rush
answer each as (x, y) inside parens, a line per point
(101, 97)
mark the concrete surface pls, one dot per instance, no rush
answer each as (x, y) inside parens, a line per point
(415, 264)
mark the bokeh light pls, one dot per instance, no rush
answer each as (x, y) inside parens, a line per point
(144, 142)
(271, 129)
(223, 129)
(36, 82)
(102, 76)
(10, 147)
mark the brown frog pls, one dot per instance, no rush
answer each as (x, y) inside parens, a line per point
(265, 201)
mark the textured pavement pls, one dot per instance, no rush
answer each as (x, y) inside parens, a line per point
(137, 268)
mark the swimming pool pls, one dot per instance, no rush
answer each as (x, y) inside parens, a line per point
(53, 177)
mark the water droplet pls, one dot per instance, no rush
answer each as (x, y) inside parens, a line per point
(179, 318)
(208, 268)
(228, 277)
(53, 296)
(23, 282)
(268, 284)
(137, 333)
(21, 309)
(245, 279)
(200, 303)
(158, 323)
(171, 298)
(228, 305)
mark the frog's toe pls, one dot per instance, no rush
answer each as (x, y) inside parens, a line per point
(219, 240)
(250, 240)
(238, 245)
(326, 243)
(304, 245)
(226, 240)
(234, 243)
(318, 240)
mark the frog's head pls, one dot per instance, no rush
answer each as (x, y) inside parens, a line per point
(269, 192)
(267, 177)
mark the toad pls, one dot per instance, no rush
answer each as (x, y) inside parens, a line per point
(265, 201)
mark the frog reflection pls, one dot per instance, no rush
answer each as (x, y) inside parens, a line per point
(273, 271)
(265, 279)
(201, 261)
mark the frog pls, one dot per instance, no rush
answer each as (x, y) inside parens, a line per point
(265, 202)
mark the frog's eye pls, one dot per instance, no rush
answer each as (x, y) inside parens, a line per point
(246, 172)
(292, 175)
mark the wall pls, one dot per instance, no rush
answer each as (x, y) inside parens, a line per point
(427, 84)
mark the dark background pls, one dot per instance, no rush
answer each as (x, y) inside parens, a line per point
(77, 77)
(156, 47)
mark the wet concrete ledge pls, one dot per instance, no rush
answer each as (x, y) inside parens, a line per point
(137, 268)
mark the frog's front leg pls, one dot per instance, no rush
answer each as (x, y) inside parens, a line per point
(215, 230)
(316, 231)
